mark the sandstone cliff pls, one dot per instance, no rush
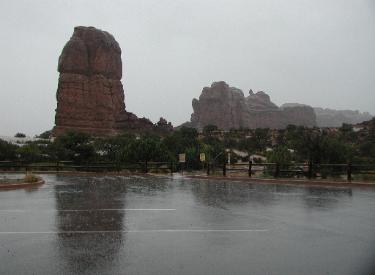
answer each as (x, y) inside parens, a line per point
(90, 95)
(227, 107)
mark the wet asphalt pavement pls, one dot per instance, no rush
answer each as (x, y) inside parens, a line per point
(149, 225)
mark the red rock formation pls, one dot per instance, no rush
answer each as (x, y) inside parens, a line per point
(227, 107)
(90, 95)
(219, 105)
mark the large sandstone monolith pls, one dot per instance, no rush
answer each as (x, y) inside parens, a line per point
(90, 96)
(227, 108)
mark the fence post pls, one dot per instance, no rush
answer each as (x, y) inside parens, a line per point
(250, 167)
(146, 166)
(309, 175)
(224, 169)
(277, 170)
(349, 171)
(182, 167)
(171, 167)
(208, 168)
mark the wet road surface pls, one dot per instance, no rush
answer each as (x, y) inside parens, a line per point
(149, 225)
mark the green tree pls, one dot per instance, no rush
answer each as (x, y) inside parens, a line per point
(147, 149)
(257, 141)
(29, 152)
(208, 129)
(366, 142)
(182, 140)
(114, 149)
(8, 151)
(247, 144)
(334, 150)
(215, 150)
(74, 146)
(230, 141)
(46, 134)
(280, 154)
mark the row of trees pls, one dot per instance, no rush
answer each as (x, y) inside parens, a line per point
(298, 144)
(81, 148)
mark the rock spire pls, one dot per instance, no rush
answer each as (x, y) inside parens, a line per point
(90, 95)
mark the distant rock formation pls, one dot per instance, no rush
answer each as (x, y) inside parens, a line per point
(90, 95)
(219, 105)
(227, 107)
(164, 124)
(335, 118)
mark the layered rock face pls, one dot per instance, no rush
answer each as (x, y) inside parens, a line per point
(90, 95)
(227, 107)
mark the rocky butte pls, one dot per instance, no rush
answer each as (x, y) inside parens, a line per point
(227, 107)
(90, 95)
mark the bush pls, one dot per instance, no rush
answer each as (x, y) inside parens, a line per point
(30, 178)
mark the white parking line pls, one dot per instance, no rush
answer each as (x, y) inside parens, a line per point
(139, 231)
(85, 210)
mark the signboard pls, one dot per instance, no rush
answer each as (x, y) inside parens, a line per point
(181, 158)
(202, 157)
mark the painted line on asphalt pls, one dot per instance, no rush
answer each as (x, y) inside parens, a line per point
(84, 210)
(138, 231)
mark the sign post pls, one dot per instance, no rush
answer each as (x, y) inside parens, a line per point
(202, 157)
(182, 160)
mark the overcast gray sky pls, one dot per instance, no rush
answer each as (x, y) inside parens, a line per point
(317, 52)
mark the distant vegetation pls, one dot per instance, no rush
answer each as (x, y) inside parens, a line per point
(20, 135)
(293, 144)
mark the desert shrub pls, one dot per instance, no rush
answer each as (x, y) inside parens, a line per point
(30, 178)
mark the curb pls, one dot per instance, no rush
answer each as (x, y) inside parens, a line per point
(21, 185)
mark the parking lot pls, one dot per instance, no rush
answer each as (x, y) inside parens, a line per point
(175, 225)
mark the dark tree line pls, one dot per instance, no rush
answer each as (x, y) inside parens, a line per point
(293, 144)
